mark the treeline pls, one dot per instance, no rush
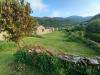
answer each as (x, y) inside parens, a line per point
(87, 33)
(56, 22)
(93, 29)
(61, 22)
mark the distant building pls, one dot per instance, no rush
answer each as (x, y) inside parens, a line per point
(43, 30)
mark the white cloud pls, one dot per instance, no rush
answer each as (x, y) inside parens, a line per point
(91, 10)
(55, 14)
(37, 5)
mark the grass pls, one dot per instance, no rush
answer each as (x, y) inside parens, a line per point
(56, 41)
(7, 49)
(53, 41)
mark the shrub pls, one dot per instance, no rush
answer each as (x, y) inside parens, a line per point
(74, 69)
(46, 64)
(93, 36)
(93, 26)
(52, 65)
(75, 36)
(92, 44)
(24, 57)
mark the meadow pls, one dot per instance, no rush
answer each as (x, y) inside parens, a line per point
(54, 41)
(57, 41)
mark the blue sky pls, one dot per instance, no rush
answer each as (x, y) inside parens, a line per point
(64, 8)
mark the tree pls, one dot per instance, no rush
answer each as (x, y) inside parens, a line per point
(15, 18)
(93, 26)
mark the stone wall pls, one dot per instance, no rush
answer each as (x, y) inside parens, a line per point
(40, 30)
(71, 58)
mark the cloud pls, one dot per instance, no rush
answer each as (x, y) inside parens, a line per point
(91, 10)
(37, 5)
(55, 14)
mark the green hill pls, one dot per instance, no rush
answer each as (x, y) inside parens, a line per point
(61, 22)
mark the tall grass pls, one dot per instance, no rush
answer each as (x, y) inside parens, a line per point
(5, 46)
(52, 65)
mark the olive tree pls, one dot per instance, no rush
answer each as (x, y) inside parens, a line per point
(15, 18)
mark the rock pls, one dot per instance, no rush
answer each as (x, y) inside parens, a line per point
(66, 57)
(76, 59)
(93, 61)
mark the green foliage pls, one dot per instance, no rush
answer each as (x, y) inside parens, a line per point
(93, 26)
(78, 19)
(59, 41)
(89, 39)
(51, 65)
(4, 46)
(46, 64)
(23, 57)
(80, 28)
(42, 62)
(15, 18)
(74, 35)
(74, 69)
(75, 28)
(92, 44)
(59, 22)
(54, 22)
(93, 36)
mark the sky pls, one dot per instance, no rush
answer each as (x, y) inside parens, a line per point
(64, 8)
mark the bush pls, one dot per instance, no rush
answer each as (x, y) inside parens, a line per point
(92, 44)
(46, 64)
(23, 56)
(75, 36)
(93, 36)
(52, 65)
(93, 26)
(71, 68)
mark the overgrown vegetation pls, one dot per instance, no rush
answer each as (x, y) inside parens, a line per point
(93, 36)
(87, 34)
(47, 64)
(78, 39)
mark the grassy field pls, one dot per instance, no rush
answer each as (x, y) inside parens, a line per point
(55, 41)
(6, 56)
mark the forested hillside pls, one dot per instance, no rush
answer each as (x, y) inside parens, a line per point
(61, 22)
(93, 29)
(53, 22)
(79, 19)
